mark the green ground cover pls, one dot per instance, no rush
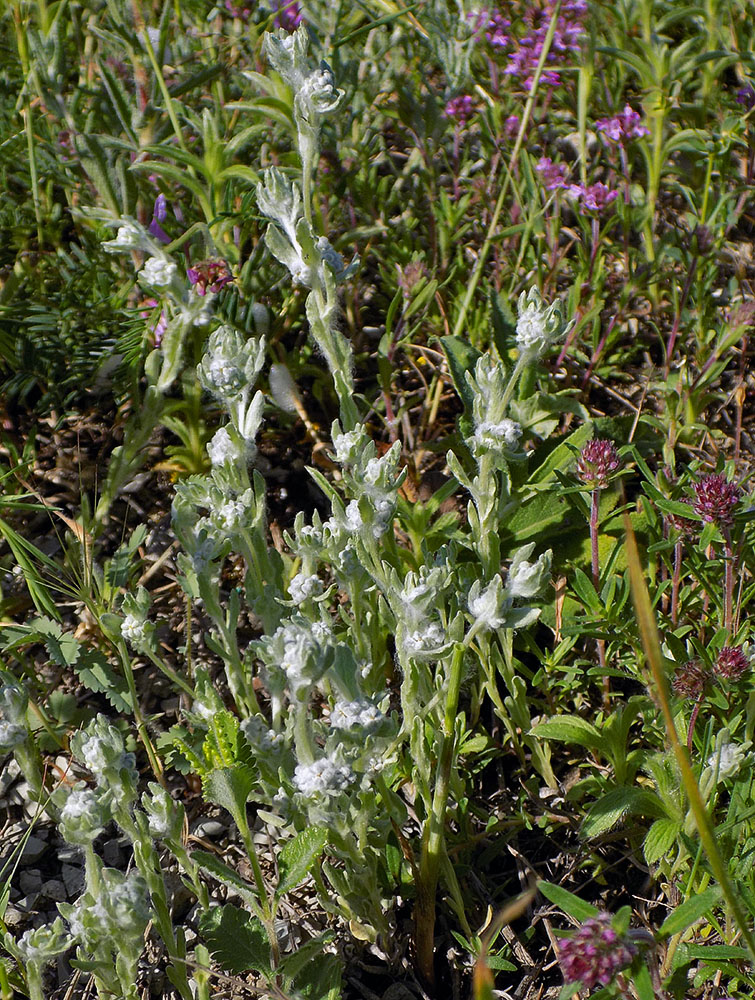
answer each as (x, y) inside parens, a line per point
(376, 520)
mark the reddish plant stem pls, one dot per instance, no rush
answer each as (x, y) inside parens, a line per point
(692, 721)
(728, 581)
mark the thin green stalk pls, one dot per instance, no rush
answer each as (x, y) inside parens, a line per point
(485, 249)
(652, 647)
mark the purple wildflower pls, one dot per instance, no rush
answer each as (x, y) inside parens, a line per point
(732, 663)
(746, 97)
(595, 953)
(159, 213)
(553, 174)
(622, 127)
(511, 126)
(209, 274)
(567, 35)
(160, 325)
(597, 463)
(461, 108)
(715, 499)
(289, 15)
(593, 197)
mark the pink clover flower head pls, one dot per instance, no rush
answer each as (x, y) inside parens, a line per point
(460, 108)
(732, 663)
(690, 680)
(595, 953)
(209, 275)
(552, 174)
(597, 463)
(623, 127)
(715, 499)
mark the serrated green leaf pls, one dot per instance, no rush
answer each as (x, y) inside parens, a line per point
(237, 941)
(690, 911)
(95, 672)
(567, 901)
(660, 838)
(619, 802)
(298, 857)
(320, 979)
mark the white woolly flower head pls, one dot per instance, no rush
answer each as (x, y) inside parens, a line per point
(527, 579)
(40, 945)
(727, 760)
(427, 641)
(83, 816)
(538, 324)
(500, 436)
(223, 448)
(158, 272)
(134, 631)
(322, 777)
(487, 605)
(350, 714)
(302, 587)
(128, 237)
(349, 446)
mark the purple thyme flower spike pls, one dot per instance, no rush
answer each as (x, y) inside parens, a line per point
(212, 275)
(568, 32)
(511, 126)
(595, 953)
(461, 108)
(553, 174)
(597, 463)
(732, 663)
(690, 680)
(159, 213)
(593, 198)
(715, 499)
(623, 127)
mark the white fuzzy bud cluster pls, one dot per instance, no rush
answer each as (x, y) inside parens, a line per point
(538, 324)
(302, 587)
(222, 448)
(350, 714)
(322, 777)
(158, 272)
(500, 436)
(134, 631)
(128, 237)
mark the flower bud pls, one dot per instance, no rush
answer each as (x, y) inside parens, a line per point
(597, 463)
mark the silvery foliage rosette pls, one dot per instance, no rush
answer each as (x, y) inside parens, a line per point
(13, 704)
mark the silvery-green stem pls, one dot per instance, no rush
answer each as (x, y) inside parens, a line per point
(433, 834)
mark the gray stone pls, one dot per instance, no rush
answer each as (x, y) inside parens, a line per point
(9, 774)
(73, 879)
(30, 881)
(69, 855)
(208, 828)
(29, 902)
(55, 890)
(112, 854)
(13, 917)
(34, 848)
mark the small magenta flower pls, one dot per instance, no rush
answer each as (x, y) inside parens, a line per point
(212, 275)
(595, 953)
(746, 97)
(622, 127)
(460, 108)
(732, 663)
(552, 174)
(597, 463)
(511, 126)
(690, 680)
(715, 499)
